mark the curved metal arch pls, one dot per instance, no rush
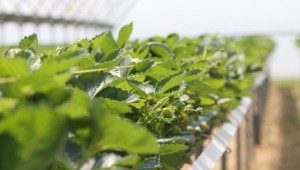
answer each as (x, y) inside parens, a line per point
(72, 15)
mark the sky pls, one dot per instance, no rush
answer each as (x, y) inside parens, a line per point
(192, 17)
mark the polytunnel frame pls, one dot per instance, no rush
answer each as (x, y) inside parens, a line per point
(96, 15)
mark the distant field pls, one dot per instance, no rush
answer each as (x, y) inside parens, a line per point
(286, 83)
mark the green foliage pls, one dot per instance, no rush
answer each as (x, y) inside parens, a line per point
(13, 67)
(124, 34)
(108, 124)
(106, 99)
(32, 136)
(172, 155)
(297, 41)
(105, 43)
(30, 42)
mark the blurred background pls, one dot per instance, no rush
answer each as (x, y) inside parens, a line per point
(62, 21)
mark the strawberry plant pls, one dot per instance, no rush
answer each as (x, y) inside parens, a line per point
(119, 104)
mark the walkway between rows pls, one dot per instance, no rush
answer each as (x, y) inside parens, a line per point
(280, 136)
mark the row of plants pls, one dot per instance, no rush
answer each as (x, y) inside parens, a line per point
(110, 103)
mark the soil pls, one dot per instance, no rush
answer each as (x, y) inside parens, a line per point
(280, 137)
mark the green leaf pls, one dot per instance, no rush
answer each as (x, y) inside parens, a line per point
(201, 87)
(105, 42)
(173, 82)
(184, 52)
(29, 42)
(92, 83)
(242, 85)
(216, 83)
(70, 157)
(143, 66)
(79, 45)
(119, 53)
(130, 160)
(109, 65)
(124, 34)
(202, 65)
(229, 103)
(149, 163)
(116, 106)
(206, 101)
(118, 94)
(160, 50)
(37, 83)
(58, 165)
(32, 137)
(170, 64)
(77, 106)
(62, 63)
(110, 132)
(143, 54)
(124, 67)
(7, 104)
(172, 155)
(158, 72)
(13, 67)
(142, 89)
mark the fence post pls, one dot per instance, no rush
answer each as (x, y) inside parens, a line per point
(256, 117)
(238, 149)
(224, 162)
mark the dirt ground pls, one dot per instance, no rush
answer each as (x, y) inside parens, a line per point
(280, 136)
